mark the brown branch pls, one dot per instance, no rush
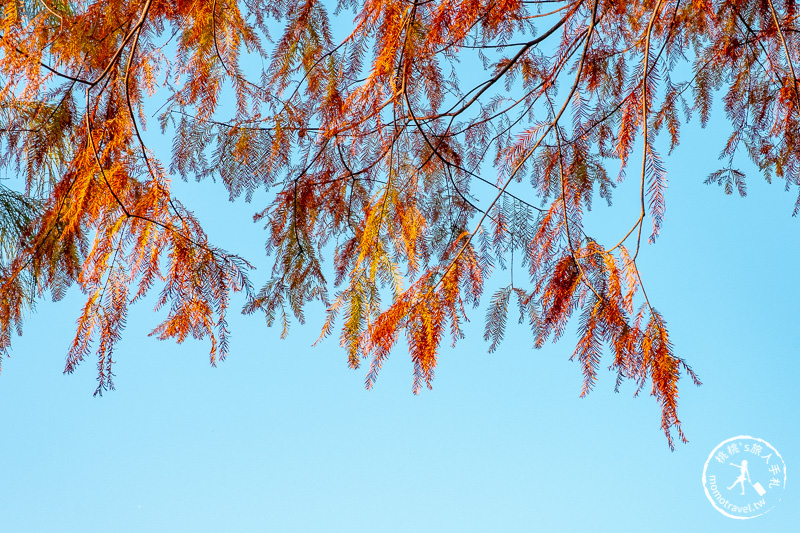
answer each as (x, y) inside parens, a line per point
(645, 134)
(530, 152)
(563, 180)
(786, 51)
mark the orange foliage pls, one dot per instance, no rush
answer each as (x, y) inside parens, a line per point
(378, 145)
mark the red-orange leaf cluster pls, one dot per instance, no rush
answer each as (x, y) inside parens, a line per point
(421, 147)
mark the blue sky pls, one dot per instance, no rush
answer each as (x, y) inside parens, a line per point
(283, 437)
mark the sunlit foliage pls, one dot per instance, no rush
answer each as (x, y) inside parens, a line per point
(420, 144)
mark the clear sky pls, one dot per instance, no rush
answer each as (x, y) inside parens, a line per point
(283, 437)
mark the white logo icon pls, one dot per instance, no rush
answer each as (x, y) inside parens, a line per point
(744, 477)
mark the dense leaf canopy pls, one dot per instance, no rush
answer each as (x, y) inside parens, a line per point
(420, 144)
